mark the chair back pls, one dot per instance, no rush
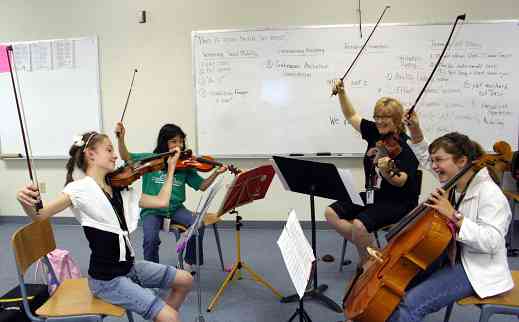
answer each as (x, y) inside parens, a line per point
(419, 175)
(31, 242)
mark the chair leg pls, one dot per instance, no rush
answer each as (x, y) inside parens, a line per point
(218, 245)
(378, 241)
(343, 252)
(180, 257)
(129, 315)
(448, 312)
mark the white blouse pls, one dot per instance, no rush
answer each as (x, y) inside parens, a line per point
(92, 208)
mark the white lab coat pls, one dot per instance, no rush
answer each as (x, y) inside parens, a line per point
(487, 216)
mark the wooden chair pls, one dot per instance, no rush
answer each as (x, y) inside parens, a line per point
(342, 262)
(210, 219)
(72, 300)
(507, 303)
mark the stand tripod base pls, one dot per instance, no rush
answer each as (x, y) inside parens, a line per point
(236, 273)
(315, 294)
(303, 316)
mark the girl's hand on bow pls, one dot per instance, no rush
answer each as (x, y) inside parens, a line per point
(29, 196)
(120, 131)
(172, 160)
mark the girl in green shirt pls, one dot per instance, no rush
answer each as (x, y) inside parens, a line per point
(170, 136)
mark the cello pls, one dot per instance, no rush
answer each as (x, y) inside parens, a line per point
(414, 243)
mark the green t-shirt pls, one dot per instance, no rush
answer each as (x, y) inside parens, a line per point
(152, 183)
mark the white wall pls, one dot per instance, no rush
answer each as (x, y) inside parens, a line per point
(161, 50)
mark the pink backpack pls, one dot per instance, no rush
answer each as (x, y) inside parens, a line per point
(62, 264)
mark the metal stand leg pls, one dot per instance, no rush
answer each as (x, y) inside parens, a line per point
(236, 269)
(342, 261)
(300, 311)
(316, 292)
(218, 245)
(200, 317)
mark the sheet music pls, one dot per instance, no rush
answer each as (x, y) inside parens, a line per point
(41, 58)
(347, 180)
(297, 253)
(63, 53)
(22, 57)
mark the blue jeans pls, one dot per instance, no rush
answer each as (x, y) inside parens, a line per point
(443, 287)
(152, 224)
(133, 290)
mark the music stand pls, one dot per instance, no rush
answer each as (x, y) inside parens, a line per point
(247, 186)
(316, 179)
(193, 231)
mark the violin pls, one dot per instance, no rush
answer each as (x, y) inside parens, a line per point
(389, 146)
(126, 175)
(205, 163)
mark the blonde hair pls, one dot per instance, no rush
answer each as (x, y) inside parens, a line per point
(396, 109)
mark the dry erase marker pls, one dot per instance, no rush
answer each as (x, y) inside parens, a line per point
(11, 155)
(296, 155)
(323, 154)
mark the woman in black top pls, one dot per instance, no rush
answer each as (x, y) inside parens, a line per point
(389, 195)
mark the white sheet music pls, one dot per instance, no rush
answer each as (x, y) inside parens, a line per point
(297, 253)
(347, 179)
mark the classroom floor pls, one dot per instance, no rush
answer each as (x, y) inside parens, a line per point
(242, 301)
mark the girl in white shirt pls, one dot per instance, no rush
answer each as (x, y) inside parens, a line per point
(108, 215)
(480, 214)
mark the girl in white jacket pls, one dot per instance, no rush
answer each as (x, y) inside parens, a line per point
(480, 215)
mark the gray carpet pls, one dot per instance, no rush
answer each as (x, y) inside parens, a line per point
(244, 300)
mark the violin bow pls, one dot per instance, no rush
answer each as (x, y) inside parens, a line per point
(23, 126)
(458, 18)
(334, 91)
(128, 97)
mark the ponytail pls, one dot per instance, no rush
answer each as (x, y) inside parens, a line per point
(77, 155)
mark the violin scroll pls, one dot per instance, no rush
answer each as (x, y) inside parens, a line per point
(203, 163)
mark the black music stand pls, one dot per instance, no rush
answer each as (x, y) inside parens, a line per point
(316, 179)
(247, 186)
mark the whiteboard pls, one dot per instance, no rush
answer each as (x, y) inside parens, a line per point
(59, 88)
(267, 91)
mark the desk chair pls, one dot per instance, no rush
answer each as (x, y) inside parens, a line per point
(507, 303)
(72, 300)
(342, 262)
(210, 219)
(514, 198)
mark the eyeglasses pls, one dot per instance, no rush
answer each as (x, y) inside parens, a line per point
(439, 160)
(382, 117)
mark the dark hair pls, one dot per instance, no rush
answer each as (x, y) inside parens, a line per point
(166, 133)
(77, 155)
(458, 145)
